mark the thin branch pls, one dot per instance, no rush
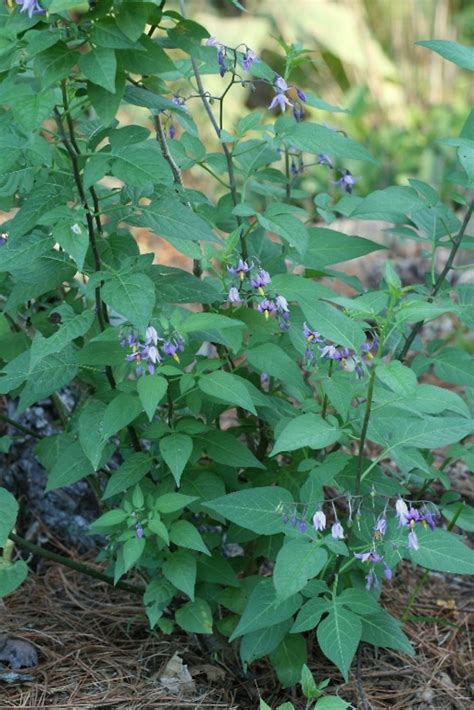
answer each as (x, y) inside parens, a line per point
(20, 427)
(439, 281)
(67, 562)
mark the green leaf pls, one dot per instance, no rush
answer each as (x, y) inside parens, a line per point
(331, 702)
(184, 534)
(262, 642)
(224, 448)
(335, 326)
(263, 609)
(132, 551)
(20, 252)
(176, 450)
(180, 570)
(104, 102)
(227, 388)
(310, 614)
(54, 64)
(338, 637)
(46, 377)
(455, 366)
(91, 431)
(289, 228)
(306, 430)
(11, 576)
(151, 390)
(327, 246)
(171, 219)
(384, 631)
(110, 519)
(257, 509)
(270, 358)
(100, 66)
(397, 377)
(8, 513)
(452, 51)
(296, 562)
(74, 325)
(217, 570)
(361, 603)
(443, 551)
(288, 659)
(390, 430)
(132, 295)
(132, 18)
(171, 502)
(71, 466)
(122, 410)
(62, 5)
(314, 138)
(195, 617)
(141, 165)
(105, 33)
(128, 474)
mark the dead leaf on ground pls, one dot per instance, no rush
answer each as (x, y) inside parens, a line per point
(176, 678)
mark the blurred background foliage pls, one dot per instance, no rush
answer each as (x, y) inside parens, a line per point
(362, 57)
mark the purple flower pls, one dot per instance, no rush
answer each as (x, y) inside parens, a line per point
(281, 304)
(380, 528)
(319, 520)
(303, 526)
(301, 95)
(30, 6)
(171, 132)
(293, 168)
(371, 579)
(177, 100)
(346, 182)
(264, 380)
(249, 58)
(281, 84)
(401, 511)
(387, 572)
(266, 307)
(262, 279)
(280, 100)
(429, 518)
(298, 113)
(331, 351)
(370, 556)
(241, 269)
(413, 541)
(324, 159)
(221, 61)
(139, 530)
(412, 517)
(337, 531)
(234, 295)
(211, 42)
(151, 335)
(171, 347)
(312, 336)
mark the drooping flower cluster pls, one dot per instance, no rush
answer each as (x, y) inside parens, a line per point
(410, 516)
(320, 521)
(254, 287)
(347, 358)
(149, 353)
(31, 7)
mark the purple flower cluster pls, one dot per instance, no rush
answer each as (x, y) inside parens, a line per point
(147, 354)
(348, 359)
(410, 516)
(31, 7)
(258, 281)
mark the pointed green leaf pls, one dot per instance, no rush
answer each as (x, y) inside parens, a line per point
(263, 609)
(100, 66)
(133, 296)
(338, 637)
(8, 513)
(151, 390)
(180, 570)
(128, 474)
(297, 562)
(306, 430)
(443, 551)
(288, 659)
(176, 450)
(184, 534)
(384, 631)
(257, 509)
(228, 388)
(195, 617)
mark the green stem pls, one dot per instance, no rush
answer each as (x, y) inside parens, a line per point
(78, 566)
(439, 281)
(217, 130)
(20, 427)
(363, 435)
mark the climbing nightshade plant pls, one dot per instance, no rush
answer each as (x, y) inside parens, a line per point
(261, 446)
